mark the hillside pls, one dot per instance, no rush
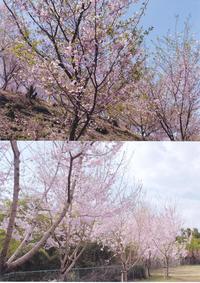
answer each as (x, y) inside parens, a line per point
(26, 119)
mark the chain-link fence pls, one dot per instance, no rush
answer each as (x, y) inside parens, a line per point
(110, 273)
(39, 275)
(95, 274)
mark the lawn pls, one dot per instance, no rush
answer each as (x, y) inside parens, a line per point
(186, 273)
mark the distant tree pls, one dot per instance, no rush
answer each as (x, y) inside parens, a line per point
(9, 65)
(124, 231)
(196, 233)
(192, 239)
(165, 228)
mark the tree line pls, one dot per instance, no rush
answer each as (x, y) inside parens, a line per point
(57, 198)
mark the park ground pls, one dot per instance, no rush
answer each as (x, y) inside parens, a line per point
(188, 273)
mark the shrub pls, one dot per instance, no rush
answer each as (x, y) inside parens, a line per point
(137, 272)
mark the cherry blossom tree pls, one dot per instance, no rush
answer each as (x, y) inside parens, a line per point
(123, 232)
(74, 233)
(150, 254)
(64, 170)
(165, 229)
(90, 207)
(174, 94)
(81, 53)
(70, 239)
(137, 112)
(140, 234)
(165, 102)
(66, 194)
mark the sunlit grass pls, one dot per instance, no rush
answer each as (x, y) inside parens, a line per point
(186, 273)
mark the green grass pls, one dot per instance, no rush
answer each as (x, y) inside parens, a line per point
(186, 273)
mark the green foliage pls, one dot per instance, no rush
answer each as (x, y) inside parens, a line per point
(42, 260)
(95, 255)
(23, 53)
(191, 237)
(13, 244)
(194, 245)
(2, 236)
(110, 31)
(196, 233)
(137, 272)
(2, 215)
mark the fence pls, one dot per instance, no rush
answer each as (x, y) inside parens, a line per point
(92, 274)
(39, 275)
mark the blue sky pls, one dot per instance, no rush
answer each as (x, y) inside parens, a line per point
(161, 15)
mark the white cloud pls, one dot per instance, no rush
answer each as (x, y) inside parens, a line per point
(170, 172)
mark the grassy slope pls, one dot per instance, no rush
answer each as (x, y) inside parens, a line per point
(37, 120)
(188, 273)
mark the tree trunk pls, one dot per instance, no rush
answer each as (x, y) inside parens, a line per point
(148, 271)
(62, 277)
(40, 243)
(73, 128)
(14, 205)
(124, 276)
(167, 271)
(167, 268)
(75, 131)
(24, 258)
(148, 266)
(67, 265)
